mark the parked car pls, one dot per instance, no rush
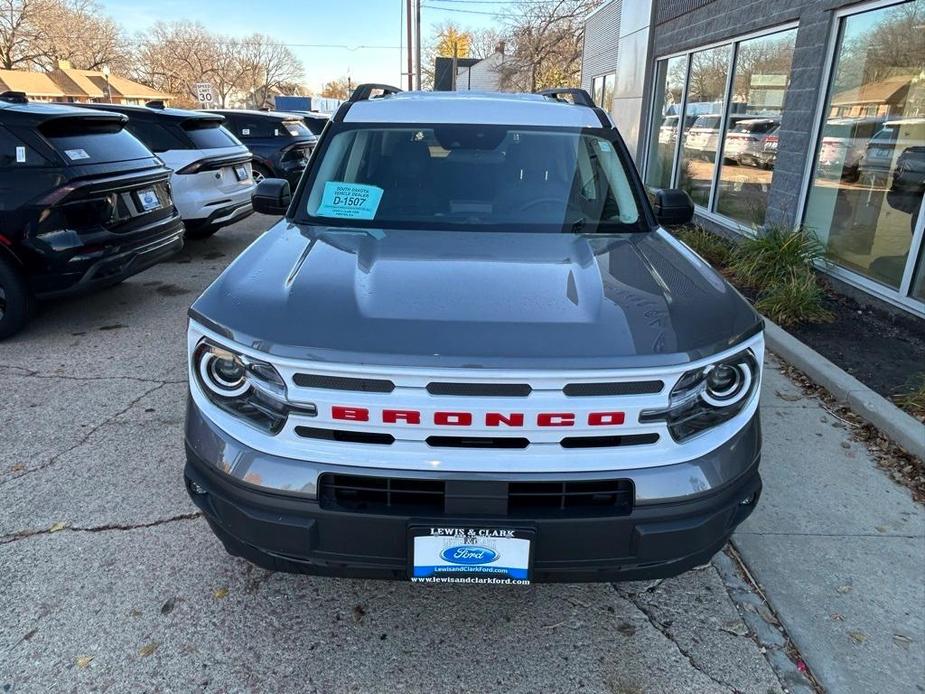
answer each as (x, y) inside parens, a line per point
(84, 204)
(280, 142)
(909, 174)
(844, 141)
(748, 135)
(315, 122)
(668, 130)
(895, 135)
(473, 355)
(763, 151)
(211, 183)
(702, 138)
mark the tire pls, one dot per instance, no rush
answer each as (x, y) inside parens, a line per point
(16, 300)
(201, 232)
(260, 172)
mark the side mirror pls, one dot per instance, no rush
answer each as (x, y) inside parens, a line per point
(272, 196)
(673, 207)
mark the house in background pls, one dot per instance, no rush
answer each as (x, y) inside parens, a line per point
(472, 74)
(69, 85)
(38, 86)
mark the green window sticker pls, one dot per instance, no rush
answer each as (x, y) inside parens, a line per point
(349, 200)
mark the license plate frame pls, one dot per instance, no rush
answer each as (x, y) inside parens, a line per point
(148, 200)
(433, 552)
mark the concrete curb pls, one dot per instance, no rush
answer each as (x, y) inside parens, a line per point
(902, 428)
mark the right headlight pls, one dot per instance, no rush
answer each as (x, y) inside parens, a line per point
(708, 396)
(245, 387)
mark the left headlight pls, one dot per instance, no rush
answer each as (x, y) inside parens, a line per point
(243, 386)
(708, 396)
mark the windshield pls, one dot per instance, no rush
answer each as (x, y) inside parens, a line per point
(472, 177)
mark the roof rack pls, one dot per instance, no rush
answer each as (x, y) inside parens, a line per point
(365, 91)
(579, 96)
(14, 97)
(156, 103)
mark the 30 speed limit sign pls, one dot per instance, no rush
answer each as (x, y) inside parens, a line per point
(204, 93)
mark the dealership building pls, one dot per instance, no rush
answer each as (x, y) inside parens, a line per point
(780, 113)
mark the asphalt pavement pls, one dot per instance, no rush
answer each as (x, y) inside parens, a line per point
(112, 582)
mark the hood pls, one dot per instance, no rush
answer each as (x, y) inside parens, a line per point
(475, 299)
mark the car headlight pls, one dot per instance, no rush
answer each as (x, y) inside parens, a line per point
(708, 396)
(243, 386)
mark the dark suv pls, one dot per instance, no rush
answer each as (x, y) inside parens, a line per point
(280, 142)
(83, 204)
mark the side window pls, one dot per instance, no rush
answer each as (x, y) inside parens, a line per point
(155, 136)
(14, 153)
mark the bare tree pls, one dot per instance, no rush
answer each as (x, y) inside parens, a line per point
(176, 55)
(546, 38)
(269, 67)
(339, 88)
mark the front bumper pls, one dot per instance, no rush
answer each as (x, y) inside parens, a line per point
(683, 514)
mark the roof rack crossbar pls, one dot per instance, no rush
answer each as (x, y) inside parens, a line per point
(365, 91)
(580, 97)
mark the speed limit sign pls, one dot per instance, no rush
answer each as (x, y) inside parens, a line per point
(204, 93)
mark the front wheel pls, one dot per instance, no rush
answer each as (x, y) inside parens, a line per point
(15, 300)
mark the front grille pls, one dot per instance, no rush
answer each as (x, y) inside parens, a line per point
(344, 436)
(608, 441)
(376, 494)
(615, 388)
(477, 441)
(480, 389)
(614, 496)
(365, 385)
(400, 496)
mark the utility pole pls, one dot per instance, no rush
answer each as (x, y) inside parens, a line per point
(417, 31)
(410, 45)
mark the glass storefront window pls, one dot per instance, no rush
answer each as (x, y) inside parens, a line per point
(703, 114)
(759, 82)
(602, 91)
(669, 95)
(869, 175)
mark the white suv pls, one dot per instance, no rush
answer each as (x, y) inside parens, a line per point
(212, 180)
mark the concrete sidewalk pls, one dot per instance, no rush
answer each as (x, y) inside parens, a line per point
(838, 549)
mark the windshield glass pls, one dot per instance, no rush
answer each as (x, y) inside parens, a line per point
(472, 177)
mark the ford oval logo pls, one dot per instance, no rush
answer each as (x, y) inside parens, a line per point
(469, 555)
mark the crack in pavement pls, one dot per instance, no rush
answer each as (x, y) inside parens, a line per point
(639, 605)
(27, 373)
(83, 439)
(26, 534)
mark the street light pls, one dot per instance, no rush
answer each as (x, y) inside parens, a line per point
(108, 90)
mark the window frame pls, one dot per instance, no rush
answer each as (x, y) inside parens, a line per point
(902, 296)
(732, 42)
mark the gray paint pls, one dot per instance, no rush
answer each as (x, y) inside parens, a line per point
(467, 299)
(686, 481)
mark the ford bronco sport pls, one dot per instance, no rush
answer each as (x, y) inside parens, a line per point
(470, 353)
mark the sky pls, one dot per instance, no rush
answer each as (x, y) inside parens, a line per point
(367, 34)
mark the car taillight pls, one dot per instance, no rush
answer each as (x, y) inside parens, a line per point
(192, 168)
(771, 138)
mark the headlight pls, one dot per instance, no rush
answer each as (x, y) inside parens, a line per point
(706, 397)
(245, 387)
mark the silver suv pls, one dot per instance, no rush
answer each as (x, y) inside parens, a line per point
(470, 353)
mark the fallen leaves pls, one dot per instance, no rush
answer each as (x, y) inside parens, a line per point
(57, 527)
(220, 593)
(148, 649)
(858, 636)
(83, 661)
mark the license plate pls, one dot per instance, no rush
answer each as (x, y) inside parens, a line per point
(148, 199)
(470, 555)
(241, 172)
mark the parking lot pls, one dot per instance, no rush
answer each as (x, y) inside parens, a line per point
(111, 581)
